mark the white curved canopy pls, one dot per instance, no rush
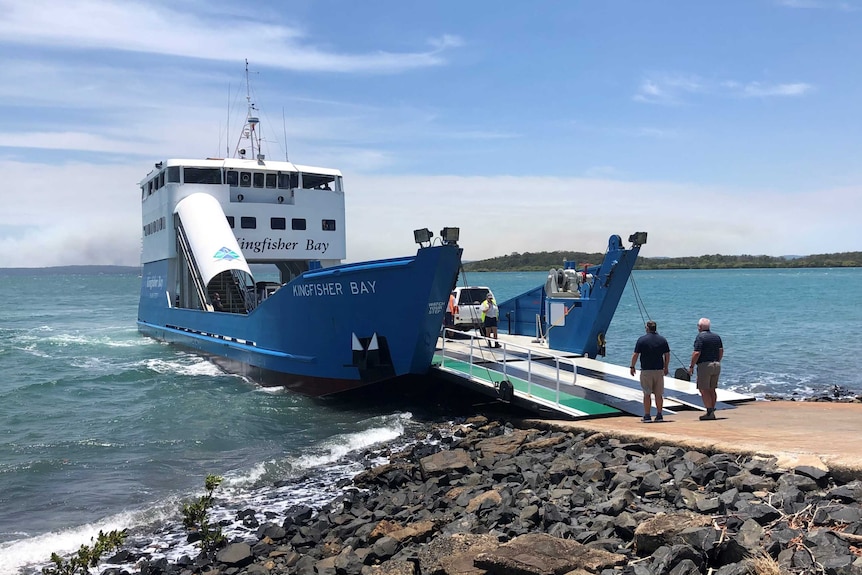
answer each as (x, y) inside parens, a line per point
(210, 238)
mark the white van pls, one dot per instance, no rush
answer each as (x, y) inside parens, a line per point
(468, 306)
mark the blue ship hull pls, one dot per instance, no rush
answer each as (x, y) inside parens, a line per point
(327, 331)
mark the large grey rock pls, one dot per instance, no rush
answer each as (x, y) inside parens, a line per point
(235, 555)
(444, 461)
(664, 529)
(453, 555)
(541, 554)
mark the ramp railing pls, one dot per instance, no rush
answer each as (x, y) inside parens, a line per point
(479, 354)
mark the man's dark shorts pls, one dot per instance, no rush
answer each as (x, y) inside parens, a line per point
(490, 322)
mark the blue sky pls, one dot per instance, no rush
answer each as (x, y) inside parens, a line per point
(718, 127)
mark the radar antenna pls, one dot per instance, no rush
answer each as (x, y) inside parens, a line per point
(251, 130)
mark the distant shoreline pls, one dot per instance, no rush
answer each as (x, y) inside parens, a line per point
(71, 270)
(542, 261)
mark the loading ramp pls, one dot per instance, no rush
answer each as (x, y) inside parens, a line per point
(527, 374)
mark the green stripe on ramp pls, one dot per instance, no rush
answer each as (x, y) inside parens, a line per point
(536, 390)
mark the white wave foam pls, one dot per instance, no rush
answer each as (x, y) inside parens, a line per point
(199, 366)
(340, 445)
(272, 390)
(36, 551)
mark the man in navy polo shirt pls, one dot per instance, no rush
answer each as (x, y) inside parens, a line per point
(707, 354)
(654, 352)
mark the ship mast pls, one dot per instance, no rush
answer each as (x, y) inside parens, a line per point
(250, 131)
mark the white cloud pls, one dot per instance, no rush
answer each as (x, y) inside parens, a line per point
(676, 89)
(500, 215)
(758, 90)
(819, 4)
(152, 28)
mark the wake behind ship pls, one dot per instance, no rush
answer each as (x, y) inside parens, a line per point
(314, 324)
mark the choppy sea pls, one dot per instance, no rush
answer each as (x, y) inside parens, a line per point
(101, 428)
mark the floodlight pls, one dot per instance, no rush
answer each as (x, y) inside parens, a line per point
(422, 236)
(450, 235)
(638, 238)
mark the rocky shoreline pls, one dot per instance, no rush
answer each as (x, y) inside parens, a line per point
(484, 497)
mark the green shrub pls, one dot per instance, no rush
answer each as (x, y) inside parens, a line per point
(196, 517)
(80, 563)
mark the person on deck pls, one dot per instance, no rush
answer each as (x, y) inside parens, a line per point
(490, 312)
(707, 355)
(449, 318)
(654, 353)
(217, 305)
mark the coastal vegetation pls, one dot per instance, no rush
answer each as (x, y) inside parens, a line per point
(196, 517)
(542, 261)
(87, 556)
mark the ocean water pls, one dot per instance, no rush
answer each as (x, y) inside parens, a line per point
(101, 428)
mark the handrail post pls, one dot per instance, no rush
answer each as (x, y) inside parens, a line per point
(557, 361)
(529, 372)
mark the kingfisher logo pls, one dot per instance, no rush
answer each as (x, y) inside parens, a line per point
(225, 254)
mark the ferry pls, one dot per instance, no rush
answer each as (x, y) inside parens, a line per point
(242, 261)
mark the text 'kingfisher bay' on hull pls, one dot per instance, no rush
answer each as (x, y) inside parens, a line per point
(303, 319)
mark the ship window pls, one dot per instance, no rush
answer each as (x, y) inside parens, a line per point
(245, 179)
(150, 188)
(201, 175)
(143, 192)
(258, 180)
(174, 174)
(317, 182)
(329, 225)
(277, 223)
(232, 177)
(287, 181)
(161, 179)
(248, 223)
(231, 222)
(270, 180)
(297, 224)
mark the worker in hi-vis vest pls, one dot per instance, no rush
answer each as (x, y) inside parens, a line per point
(490, 312)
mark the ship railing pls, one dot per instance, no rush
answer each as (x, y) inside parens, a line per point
(185, 248)
(479, 354)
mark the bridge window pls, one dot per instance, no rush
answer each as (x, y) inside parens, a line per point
(317, 181)
(173, 174)
(201, 175)
(245, 179)
(288, 180)
(161, 179)
(277, 223)
(270, 180)
(248, 223)
(231, 222)
(258, 180)
(297, 224)
(232, 178)
(329, 225)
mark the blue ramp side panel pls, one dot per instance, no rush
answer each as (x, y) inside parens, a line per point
(518, 315)
(574, 319)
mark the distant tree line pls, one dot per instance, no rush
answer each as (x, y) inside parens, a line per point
(542, 261)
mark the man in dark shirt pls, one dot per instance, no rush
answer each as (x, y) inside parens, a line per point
(654, 352)
(707, 355)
